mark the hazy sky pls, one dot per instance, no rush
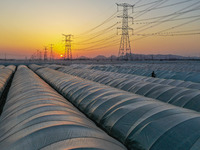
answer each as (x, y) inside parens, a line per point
(28, 25)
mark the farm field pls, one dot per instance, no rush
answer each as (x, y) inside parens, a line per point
(100, 75)
(100, 106)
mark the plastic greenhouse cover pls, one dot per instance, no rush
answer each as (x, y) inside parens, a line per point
(136, 121)
(5, 74)
(160, 73)
(149, 79)
(36, 117)
(152, 90)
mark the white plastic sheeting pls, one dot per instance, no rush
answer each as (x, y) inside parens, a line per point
(165, 74)
(170, 82)
(177, 66)
(137, 121)
(179, 96)
(11, 67)
(5, 74)
(36, 117)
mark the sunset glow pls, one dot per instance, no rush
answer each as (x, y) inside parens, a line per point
(30, 25)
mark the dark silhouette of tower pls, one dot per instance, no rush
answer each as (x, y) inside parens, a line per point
(45, 53)
(51, 54)
(68, 46)
(125, 47)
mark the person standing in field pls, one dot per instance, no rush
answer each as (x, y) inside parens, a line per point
(153, 75)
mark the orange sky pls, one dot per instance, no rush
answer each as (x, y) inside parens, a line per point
(29, 25)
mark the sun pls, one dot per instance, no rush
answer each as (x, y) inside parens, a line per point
(61, 55)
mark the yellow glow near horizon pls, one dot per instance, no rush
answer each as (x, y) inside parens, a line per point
(27, 26)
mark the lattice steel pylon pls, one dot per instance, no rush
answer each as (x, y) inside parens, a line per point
(125, 46)
(51, 54)
(45, 53)
(68, 47)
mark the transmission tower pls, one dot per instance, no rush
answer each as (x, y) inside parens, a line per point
(40, 55)
(68, 50)
(45, 53)
(125, 47)
(51, 54)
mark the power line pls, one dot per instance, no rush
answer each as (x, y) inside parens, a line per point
(103, 43)
(183, 18)
(101, 47)
(150, 8)
(174, 27)
(166, 6)
(98, 38)
(98, 41)
(102, 32)
(143, 5)
(101, 24)
(176, 14)
(168, 34)
(139, 1)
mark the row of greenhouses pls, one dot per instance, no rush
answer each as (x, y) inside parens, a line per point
(180, 96)
(171, 82)
(138, 122)
(80, 108)
(160, 73)
(36, 117)
(177, 66)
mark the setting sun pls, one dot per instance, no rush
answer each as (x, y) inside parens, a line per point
(61, 55)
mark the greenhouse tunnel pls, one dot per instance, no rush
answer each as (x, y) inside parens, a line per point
(138, 122)
(6, 75)
(171, 82)
(165, 74)
(179, 96)
(36, 117)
